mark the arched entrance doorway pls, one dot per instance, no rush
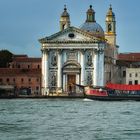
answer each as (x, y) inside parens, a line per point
(71, 76)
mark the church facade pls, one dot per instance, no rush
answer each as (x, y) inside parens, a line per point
(83, 56)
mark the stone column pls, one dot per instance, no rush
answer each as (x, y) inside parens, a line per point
(82, 68)
(42, 72)
(101, 67)
(95, 83)
(46, 73)
(59, 72)
(64, 82)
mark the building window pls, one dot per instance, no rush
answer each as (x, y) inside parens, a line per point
(29, 79)
(38, 66)
(37, 88)
(0, 80)
(7, 80)
(22, 80)
(136, 82)
(14, 80)
(124, 73)
(18, 66)
(28, 66)
(130, 82)
(130, 75)
(37, 80)
(136, 75)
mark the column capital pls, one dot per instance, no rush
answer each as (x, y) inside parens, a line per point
(82, 51)
(45, 51)
(60, 51)
(96, 51)
(101, 50)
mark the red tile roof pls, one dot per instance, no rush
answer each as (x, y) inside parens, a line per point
(28, 59)
(134, 57)
(20, 55)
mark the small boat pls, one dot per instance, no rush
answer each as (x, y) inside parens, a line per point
(113, 92)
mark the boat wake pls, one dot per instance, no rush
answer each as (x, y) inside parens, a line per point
(87, 100)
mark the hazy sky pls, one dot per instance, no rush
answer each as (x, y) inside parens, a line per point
(23, 22)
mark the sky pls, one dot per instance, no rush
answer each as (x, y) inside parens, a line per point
(23, 22)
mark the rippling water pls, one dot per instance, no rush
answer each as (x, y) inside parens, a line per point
(69, 119)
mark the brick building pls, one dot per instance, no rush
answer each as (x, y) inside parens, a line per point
(24, 73)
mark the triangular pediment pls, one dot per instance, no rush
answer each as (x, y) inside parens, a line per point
(71, 34)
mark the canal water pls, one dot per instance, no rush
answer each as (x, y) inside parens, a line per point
(69, 119)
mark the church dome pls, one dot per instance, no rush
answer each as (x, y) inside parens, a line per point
(94, 28)
(90, 24)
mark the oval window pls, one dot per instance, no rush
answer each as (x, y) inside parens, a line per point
(71, 35)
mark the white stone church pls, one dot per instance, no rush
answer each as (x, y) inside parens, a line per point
(85, 55)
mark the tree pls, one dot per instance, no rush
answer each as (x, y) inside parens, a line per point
(5, 58)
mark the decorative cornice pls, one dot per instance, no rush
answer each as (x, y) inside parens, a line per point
(83, 32)
(73, 42)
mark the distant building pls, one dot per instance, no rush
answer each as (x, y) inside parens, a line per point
(132, 76)
(24, 73)
(25, 62)
(129, 68)
(84, 55)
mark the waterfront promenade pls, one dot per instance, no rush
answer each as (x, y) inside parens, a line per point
(63, 95)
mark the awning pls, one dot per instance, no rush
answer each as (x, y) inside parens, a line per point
(122, 86)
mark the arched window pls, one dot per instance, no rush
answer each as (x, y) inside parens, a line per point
(109, 27)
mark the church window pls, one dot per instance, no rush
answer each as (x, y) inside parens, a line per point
(109, 27)
(71, 35)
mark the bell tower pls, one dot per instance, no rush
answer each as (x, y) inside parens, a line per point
(64, 19)
(110, 33)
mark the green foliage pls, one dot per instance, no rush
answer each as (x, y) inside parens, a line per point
(5, 58)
